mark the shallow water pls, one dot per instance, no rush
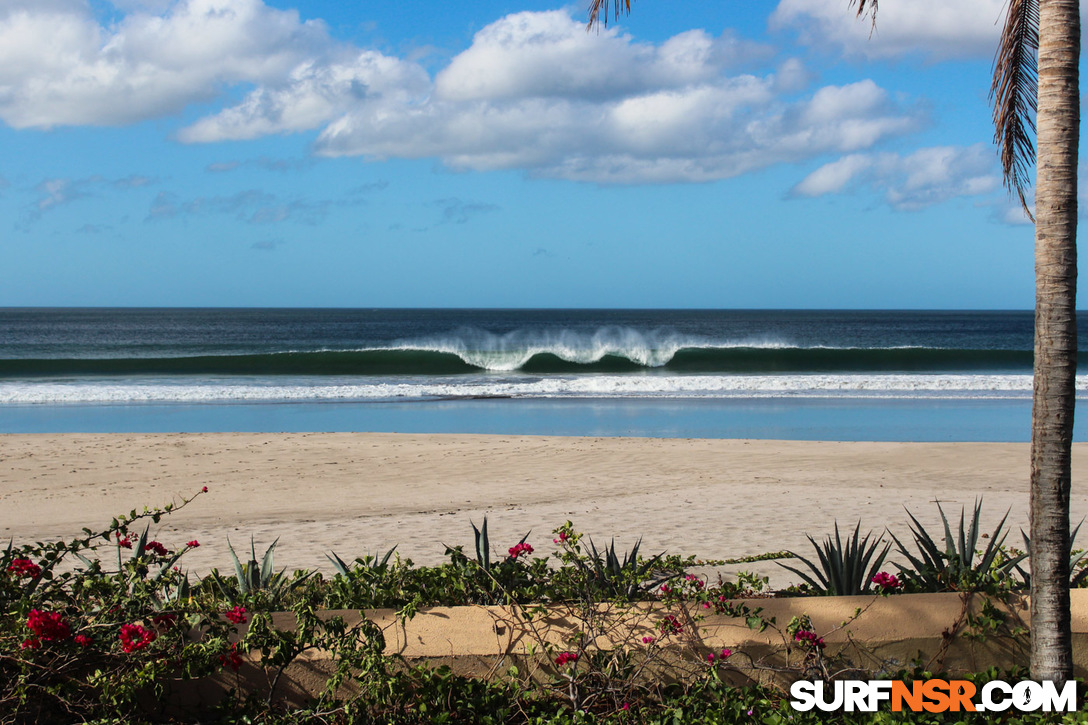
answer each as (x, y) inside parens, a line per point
(785, 419)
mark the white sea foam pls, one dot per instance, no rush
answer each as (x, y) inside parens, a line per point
(510, 351)
(562, 386)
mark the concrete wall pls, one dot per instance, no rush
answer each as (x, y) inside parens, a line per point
(874, 634)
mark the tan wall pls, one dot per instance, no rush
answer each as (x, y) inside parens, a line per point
(871, 633)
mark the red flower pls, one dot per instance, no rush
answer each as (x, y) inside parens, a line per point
(83, 640)
(887, 582)
(156, 547)
(231, 658)
(236, 615)
(192, 544)
(563, 536)
(24, 567)
(809, 637)
(48, 625)
(30, 643)
(519, 549)
(204, 490)
(566, 658)
(164, 620)
(134, 637)
(670, 625)
(125, 541)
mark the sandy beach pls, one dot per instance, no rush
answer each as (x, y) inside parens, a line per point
(355, 493)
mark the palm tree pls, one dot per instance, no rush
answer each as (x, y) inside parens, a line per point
(1035, 88)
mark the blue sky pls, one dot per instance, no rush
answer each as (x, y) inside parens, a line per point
(495, 154)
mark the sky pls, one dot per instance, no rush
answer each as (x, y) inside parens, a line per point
(321, 153)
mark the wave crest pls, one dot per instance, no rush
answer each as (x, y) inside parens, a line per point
(514, 350)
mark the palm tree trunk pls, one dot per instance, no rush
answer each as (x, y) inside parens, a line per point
(1055, 336)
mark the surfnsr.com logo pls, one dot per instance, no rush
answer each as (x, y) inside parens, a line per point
(933, 696)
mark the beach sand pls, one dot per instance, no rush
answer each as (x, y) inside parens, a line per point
(358, 493)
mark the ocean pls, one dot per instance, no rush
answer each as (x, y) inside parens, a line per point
(815, 375)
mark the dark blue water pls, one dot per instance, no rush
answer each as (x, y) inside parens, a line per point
(838, 375)
(293, 341)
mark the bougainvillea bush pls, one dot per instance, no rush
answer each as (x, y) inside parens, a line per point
(93, 627)
(108, 627)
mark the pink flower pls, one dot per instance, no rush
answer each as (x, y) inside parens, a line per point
(204, 490)
(236, 615)
(625, 706)
(566, 658)
(519, 549)
(83, 640)
(156, 547)
(670, 625)
(726, 652)
(48, 625)
(134, 637)
(710, 658)
(647, 640)
(563, 536)
(887, 582)
(24, 567)
(806, 636)
(231, 658)
(192, 544)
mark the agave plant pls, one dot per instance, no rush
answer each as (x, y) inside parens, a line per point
(628, 578)
(252, 578)
(1076, 578)
(958, 565)
(136, 560)
(483, 545)
(843, 569)
(367, 563)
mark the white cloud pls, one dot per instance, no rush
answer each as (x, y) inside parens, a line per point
(926, 177)
(936, 29)
(551, 54)
(833, 177)
(312, 94)
(696, 133)
(57, 191)
(534, 91)
(59, 66)
(155, 6)
(255, 206)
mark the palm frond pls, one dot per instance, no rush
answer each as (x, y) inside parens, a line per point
(1014, 93)
(598, 12)
(866, 8)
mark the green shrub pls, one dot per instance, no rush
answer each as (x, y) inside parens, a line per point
(959, 565)
(95, 629)
(844, 569)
